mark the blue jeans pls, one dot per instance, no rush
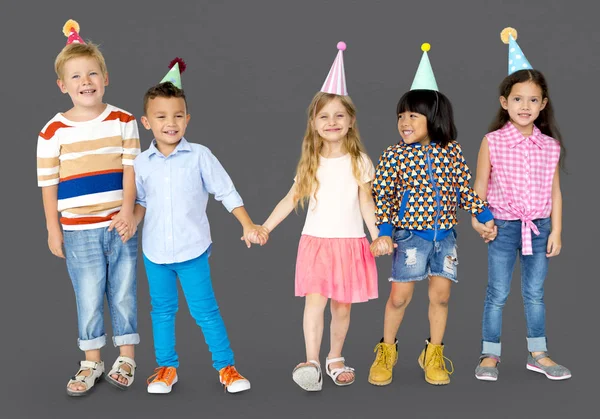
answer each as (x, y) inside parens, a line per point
(100, 264)
(502, 255)
(416, 258)
(194, 276)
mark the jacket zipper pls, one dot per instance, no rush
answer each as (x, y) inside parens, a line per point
(437, 196)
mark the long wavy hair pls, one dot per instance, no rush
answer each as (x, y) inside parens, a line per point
(545, 121)
(307, 184)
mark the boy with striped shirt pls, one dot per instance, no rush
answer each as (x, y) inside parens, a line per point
(85, 169)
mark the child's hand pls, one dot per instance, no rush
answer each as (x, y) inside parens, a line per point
(487, 231)
(383, 246)
(125, 225)
(55, 243)
(255, 234)
(554, 245)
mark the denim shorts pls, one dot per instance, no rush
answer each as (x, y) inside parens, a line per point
(416, 258)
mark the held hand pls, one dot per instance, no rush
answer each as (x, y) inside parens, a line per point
(255, 234)
(383, 246)
(487, 231)
(55, 243)
(124, 224)
(554, 245)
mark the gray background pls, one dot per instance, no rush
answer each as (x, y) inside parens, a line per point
(252, 69)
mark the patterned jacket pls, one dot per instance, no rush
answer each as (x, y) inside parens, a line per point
(419, 187)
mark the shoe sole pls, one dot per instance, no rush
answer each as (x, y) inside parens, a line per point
(548, 376)
(380, 383)
(307, 378)
(238, 388)
(85, 392)
(165, 391)
(485, 378)
(434, 383)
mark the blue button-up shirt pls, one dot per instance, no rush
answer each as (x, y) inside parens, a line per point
(174, 190)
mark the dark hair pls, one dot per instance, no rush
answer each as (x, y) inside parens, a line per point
(545, 120)
(166, 89)
(437, 109)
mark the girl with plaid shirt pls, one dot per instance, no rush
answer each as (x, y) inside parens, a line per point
(518, 174)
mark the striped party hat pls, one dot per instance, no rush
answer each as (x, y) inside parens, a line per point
(336, 79)
(71, 31)
(516, 59)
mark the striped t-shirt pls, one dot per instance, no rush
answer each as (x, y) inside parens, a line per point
(86, 159)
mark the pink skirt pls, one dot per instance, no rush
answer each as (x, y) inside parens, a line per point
(342, 269)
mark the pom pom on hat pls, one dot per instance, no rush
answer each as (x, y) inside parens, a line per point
(341, 46)
(425, 47)
(177, 60)
(505, 34)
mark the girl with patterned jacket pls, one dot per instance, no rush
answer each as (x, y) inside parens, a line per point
(419, 184)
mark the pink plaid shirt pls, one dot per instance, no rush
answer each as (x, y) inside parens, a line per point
(520, 184)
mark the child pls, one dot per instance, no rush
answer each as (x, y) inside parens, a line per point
(173, 179)
(419, 184)
(334, 176)
(85, 168)
(518, 172)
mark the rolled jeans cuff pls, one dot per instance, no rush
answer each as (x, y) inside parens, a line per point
(130, 339)
(491, 348)
(537, 344)
(92, 344)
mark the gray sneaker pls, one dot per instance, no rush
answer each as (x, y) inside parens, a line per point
(555, 372)
(487, 373)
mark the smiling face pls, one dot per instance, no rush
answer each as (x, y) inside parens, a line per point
(168, 119)
(83, 80)
(332, 121)
(524, 104)
(412, 127)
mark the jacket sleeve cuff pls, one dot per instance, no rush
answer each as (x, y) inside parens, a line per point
(485, 216)
(385, 229)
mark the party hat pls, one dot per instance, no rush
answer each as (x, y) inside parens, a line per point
(424, 78)
(516, 59)
(335, 83)
(71, 31)
(176, 66)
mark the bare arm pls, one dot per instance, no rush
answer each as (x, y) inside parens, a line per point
(555, 240)
(484, 168)
(282, 210)
(128, 189)
(138, 213)
(367, 210)
(55, 235)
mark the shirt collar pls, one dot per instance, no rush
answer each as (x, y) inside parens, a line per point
(515, 137)
(182, 146)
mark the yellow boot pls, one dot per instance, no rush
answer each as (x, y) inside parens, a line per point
(433, 362)
(380, 373)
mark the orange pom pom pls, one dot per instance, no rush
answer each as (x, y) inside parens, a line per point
(70, 26)
(506, 32)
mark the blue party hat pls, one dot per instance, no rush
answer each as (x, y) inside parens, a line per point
(516, 59)
(424, 78)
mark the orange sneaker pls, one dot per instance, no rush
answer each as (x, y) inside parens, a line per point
(161, 382)
(232, 380)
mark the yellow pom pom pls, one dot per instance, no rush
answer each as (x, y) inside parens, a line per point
(425, 47)
(70, 26)
(504, 35)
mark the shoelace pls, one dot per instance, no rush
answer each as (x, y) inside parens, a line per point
(161, 374)
(438, 359)
(230, 375)
(383, 356)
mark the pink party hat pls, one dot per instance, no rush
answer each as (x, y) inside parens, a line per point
(71, 31)
(336, 79)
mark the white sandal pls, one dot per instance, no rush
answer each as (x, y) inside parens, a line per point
(335, 373)
(309, 377)
(96, 370)
(117, 369)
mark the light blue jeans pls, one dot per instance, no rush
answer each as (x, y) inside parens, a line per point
(502, 255)
(100, 264)
(194, 276)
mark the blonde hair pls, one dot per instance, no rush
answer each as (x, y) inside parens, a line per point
(78, 50)
(312, 144)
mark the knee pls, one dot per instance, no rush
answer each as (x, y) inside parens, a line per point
(497, 296)
(164, 307)
(340, 310)
(439, 299)
(398, 301)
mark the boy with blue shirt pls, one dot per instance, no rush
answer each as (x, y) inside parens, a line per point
(173, 179)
